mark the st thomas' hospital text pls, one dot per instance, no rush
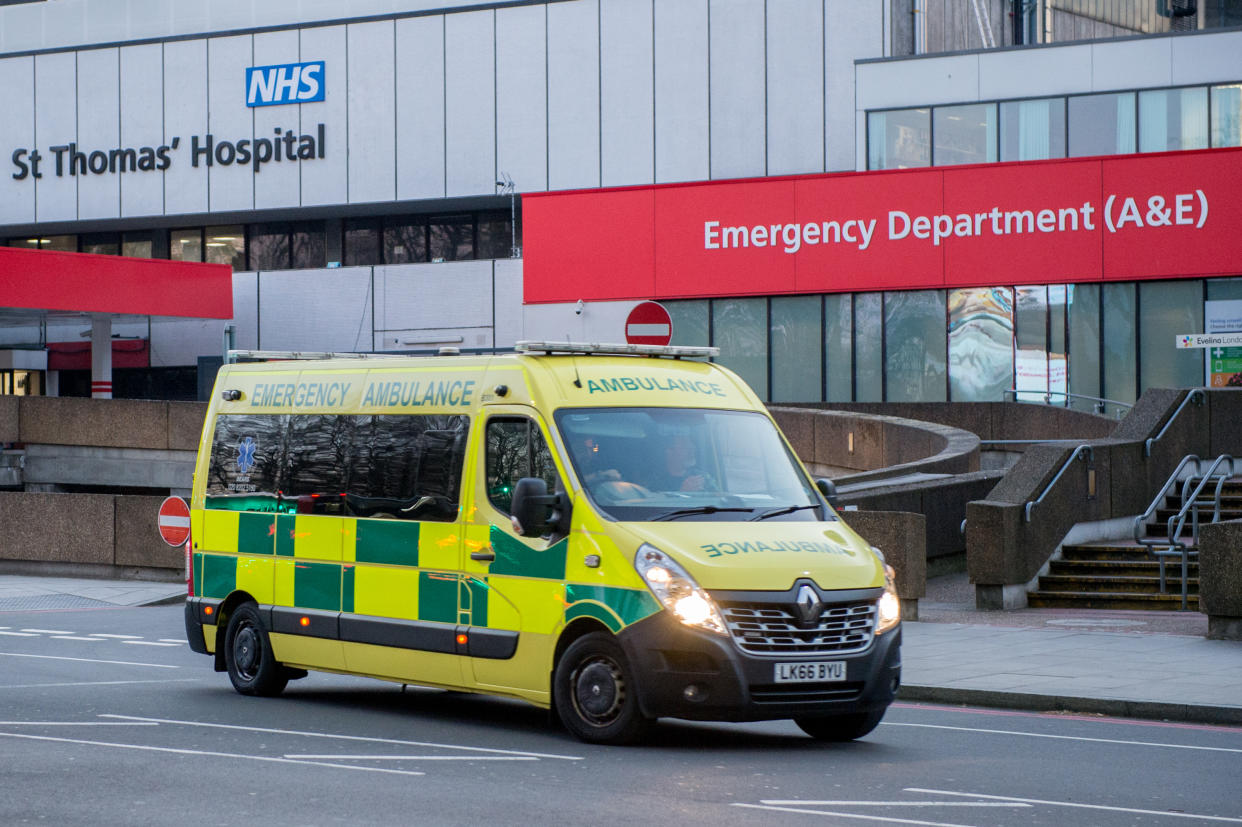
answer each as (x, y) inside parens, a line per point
(1181, 209)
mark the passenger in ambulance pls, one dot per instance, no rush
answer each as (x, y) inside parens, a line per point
(593, 462)
(680, 470)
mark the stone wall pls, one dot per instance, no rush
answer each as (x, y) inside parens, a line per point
(1220, 578)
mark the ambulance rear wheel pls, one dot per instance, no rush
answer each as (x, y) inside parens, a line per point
(595, 694)
(252, 667)
(840, 727)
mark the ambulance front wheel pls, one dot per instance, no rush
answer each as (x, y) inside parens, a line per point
(841, 727)
(595, 695)
(252, 667)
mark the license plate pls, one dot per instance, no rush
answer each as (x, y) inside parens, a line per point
(810, 671)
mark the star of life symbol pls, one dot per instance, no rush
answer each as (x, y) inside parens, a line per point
(245, 455)
(808, 604)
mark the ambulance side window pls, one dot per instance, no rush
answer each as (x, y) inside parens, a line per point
(515, 448)
(247, 462)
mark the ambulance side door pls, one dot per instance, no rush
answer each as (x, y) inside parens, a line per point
(514, 584)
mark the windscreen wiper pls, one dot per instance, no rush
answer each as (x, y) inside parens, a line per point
(776, 512)
(687, 512)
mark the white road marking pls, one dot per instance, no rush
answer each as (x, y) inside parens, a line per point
(91, 683)
(172, 640)
(798, 802)
(1164, 813)
(117, 637)
(75, 723)
(78, 637)
(89, 660)
(206, 753)
(858, 816)
(47, 631)
(1066, 737)
(417, 758)
(148, 643)
(18, 634)
(345, 737)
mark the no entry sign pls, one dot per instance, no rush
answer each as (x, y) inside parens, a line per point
(648, 324)
(174, 521)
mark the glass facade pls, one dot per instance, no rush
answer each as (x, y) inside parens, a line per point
(980, 343)
(797, 366)
(915, 346)
(1109, 123)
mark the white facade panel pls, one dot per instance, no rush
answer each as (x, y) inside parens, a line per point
(149, 18)
(245, 311)
(470, 103)
(850, 33)
(573, 95)
(17, 198)
(288, 298)
(1129, 63)
(598, 322)
(231, 185)
(142, 126)
(105, 23)
(182, 341)
(185, 115)
(99, 193)
(420, 107)
(1206, 58)
(325, 180)
(795, 87)
(372, 126)
(918, 82)
(522, 97)
(22, 27)
(627, 112)
(507, 299)
(276, 185)
(1022, 73)
(223, 15)
(737, 87)
(681, 129)
(453, 294)
(56, 193)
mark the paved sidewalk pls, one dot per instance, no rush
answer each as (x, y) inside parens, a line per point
(1133, 664)
(23, 594)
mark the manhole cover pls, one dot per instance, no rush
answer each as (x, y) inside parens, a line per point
(49, 601)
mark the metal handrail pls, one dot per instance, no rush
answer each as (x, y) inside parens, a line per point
(1098, 402)
(1196, 395)
(1078, 452)
(1173, 545)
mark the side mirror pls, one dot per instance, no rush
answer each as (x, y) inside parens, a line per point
(829, 491)
(535, 512)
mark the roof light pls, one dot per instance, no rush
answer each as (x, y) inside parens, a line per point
(615, 349)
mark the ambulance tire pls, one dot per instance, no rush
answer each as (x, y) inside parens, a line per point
(248, 655)
(594, 692)
(841, 727)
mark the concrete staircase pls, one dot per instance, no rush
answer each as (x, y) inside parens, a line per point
(1123, 574)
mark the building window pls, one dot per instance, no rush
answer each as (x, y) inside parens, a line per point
(1227, 115)
(308, 248)
(1031, 343)
(1168, 309)
(964, 134)
(138, 245)
(1172, 119)
(186, 245)
(869, 347)
(797, 333)
(226, 245)
(915, 346)
(1084, 339)
(101, 244)
(691, 327)
(1118, 335)
(741, 333)
(899, 139)
(405, 240)
(451, 237)
(269, 247)
(1032, 130)
(362, 242)
(495, 238)
(839, 347)
(1101, 124)
(980, 344)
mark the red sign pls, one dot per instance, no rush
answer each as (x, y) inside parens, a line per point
(174, 521)
(1162, 215)
(648, 324)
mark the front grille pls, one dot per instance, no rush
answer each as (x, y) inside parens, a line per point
(808, 693)
(774, 628)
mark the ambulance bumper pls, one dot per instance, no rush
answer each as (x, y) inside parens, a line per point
(685, 673)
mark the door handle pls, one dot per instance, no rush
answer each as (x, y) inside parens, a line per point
(483, 556)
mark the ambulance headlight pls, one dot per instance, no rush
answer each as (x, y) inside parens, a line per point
(889, 607)
(676, 590)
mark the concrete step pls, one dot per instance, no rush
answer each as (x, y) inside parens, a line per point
(1149, 585)
(1119, 550)
(1118, 568)
(1106, 600)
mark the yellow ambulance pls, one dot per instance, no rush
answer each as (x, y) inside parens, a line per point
(616, 532)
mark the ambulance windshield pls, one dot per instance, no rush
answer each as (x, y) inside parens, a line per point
(648, 464)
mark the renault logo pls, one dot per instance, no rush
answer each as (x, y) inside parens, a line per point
(809, 607)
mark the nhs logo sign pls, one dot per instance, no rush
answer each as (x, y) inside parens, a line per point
(288, 83)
